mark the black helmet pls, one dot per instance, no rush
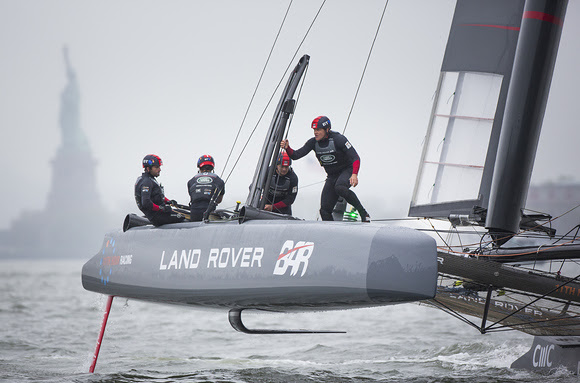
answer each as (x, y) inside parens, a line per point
(151, 160)
(321, 122)
(205, 160)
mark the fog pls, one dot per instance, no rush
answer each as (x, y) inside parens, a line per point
(175, 78)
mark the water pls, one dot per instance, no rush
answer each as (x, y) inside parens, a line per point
(49, 326)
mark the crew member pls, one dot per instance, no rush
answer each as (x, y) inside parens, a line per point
(150, 197)
(206, 189)
(340, 160)
(283, 187)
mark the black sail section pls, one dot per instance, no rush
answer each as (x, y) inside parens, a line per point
(270, 149)
(457, 162)
(534, 62)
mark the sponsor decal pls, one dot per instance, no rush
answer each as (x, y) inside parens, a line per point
(204, 180)
(348, 145)
(292, 256)
(109, 260)
(568, 290)
(217, 258)
(145, 189)
(498, 304)
(118, 260)
(327, 158)
(295, 189)
(541, 356)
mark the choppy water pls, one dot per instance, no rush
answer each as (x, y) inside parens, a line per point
(49, 326)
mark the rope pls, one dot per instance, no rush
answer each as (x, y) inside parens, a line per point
(255, 90)
(365, 68)
(520, 234)
(537, 251)
(273, 93)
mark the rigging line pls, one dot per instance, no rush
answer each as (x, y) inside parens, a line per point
(443, 307)
(542, 225)
(561, 215)
(518, 292)
(512, 296)
(315, 183)
(559, 272)
(541, 272)
(273, 93)
(256, 90)
(511, 254)
(542, 236)
(437, 232)
(549, 321)
(503, 330)
(577, 227)
(520, 234)
(539, 250)
(502, 327)
(532, 302)
(366, 64)
(450, 235)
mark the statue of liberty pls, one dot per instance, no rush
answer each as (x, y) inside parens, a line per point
(73, 138)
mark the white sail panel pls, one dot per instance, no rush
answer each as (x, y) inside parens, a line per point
(476, 94)
(458, 137)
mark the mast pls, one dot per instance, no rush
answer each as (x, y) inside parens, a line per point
(535, 56)
(269, 154)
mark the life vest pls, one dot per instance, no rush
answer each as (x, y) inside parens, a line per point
(329, 157)
(202, 188)
(279, 190)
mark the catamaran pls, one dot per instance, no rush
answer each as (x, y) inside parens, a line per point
(474, 173)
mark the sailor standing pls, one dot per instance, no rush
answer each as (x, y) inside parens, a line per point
(340, 161)
(206, 189)
(150, 196)
(283, 187)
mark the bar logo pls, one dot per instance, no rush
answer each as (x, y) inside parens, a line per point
(293, 256)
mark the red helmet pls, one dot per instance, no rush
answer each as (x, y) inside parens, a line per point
(205, 160)
(321, 122)
(283, 159)
(151, 160)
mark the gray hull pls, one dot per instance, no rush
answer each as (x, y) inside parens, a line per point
(271, 265)
(549, 353)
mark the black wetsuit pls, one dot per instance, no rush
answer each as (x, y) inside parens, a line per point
(202, 187)
(282, 192)
(151, 199)
(337, 156)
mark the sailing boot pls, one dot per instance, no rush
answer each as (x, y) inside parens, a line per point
(364, 216)
(352, 199)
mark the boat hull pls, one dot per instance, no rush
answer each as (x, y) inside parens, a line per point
(270, 265)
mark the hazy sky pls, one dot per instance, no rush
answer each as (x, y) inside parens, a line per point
(175, 78)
